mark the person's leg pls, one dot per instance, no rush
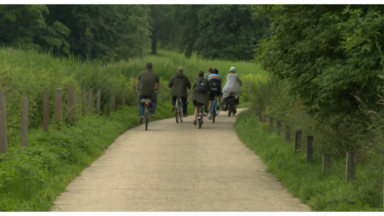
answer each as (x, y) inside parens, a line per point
(141, 110)
(185, 106)
(196, 111)
(236, 103)
(173, 102)
(154, 105)
(210, 106)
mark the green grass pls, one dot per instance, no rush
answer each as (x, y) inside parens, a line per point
(306, 181)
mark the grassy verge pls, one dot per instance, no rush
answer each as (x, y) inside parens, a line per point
(306, 181)
(31, 178)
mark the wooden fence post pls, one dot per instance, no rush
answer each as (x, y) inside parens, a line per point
(3, 124)
(58, 108)
(24, 122)
(136, 97)
(113, 102)
(287, 133)
(70, 103)
(123, 97)
(163, 94)
(270, 124)
(75, 107)
(90, 101)
(83, 102)
(278, 127)
(326, 164)
(108, 107)
(98, 100)
(309, 149)
(46, 109)
(351, 167)
(249, 90)
(297, 140)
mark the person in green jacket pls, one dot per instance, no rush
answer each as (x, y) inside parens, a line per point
(179, 84)
(198, 99)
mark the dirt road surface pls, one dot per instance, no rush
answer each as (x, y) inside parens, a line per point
(178, 167)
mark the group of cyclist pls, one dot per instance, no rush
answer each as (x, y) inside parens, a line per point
(205, 88)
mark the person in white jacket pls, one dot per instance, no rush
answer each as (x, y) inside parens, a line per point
(232, 86)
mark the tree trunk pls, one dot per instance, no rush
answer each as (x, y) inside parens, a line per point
(154, 47)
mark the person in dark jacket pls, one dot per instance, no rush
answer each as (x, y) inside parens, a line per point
(179, 84)
(198, 99)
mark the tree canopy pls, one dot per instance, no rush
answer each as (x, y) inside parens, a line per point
(330, 55)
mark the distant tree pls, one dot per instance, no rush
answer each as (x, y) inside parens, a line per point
(24, 26)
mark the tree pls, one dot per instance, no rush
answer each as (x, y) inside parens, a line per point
(329, 54)
(25, 26)
(228, 32)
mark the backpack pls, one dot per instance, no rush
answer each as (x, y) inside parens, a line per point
(214, 84)
(202, 86)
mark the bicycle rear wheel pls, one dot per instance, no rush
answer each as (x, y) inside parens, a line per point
(177, 111)
(213, 111)
(146, 116)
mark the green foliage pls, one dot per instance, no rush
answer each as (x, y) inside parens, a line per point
(305, 181)
(329, 54)
(25, 26)
(107, 32)
(219, 31)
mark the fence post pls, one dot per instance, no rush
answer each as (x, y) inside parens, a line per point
(136, 97)
(309, 149)
(46, 109)
(83, 102)
(58, 108)
(108, 107)
(90, 101)
(278, 127)
(123, 97)
(249, 90)
(75, 107)
(70, 104)
(326, 164)
(162, 93)
(113, 102)
(98, 100)
(287, 133)
(270, 124)
(297, 140)
(351, 167)
(24, 122)
(3, 124)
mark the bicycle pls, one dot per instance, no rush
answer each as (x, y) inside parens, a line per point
(200, 116)
(147, 110)
(179, 110)
(231, 105)
(214, 110)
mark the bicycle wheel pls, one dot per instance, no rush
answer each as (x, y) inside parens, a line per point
(217, 105)
(213, 111)
(180, 110)
(200, 118)
(177, 111)
(146, 116)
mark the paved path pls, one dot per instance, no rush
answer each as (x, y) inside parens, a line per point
(178, 167)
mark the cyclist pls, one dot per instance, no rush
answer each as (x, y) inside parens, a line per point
(179, 84)
(215, 89)
(232, 86)
(146, 85)
(210, 69)
(197, 96)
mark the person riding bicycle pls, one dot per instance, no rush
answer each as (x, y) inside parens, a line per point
(199, 94)
(179, 84)
(210, 69)
(146, 85)
(215, 89)
(232, 86)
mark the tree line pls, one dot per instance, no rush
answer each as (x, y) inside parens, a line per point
(115, 32)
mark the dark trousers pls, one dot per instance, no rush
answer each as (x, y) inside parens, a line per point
(184, 100)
